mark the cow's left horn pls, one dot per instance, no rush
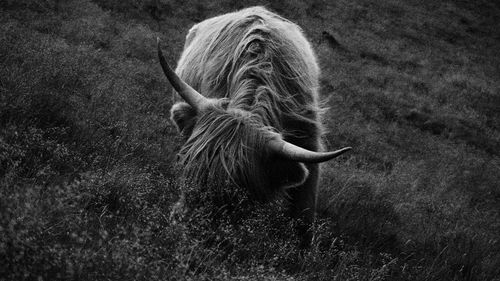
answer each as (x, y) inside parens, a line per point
(295, 153)
(190, 95)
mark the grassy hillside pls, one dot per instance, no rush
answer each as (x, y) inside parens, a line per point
(87, 152)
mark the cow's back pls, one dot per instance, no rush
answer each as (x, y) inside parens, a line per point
(216, 47)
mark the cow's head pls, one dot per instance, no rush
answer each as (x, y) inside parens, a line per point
(228, 143)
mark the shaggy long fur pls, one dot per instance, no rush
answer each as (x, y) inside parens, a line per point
(265, 71)
(230, 146)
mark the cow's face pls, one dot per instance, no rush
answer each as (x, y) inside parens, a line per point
(224, 144)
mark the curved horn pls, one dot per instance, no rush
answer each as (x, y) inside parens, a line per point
(295, 153)
(190, 95)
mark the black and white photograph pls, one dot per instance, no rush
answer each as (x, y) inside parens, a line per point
(269, 140)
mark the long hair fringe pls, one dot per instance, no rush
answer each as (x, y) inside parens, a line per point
(229, 147)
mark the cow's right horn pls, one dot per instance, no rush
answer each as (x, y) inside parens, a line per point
(190, 95)
(295, 153)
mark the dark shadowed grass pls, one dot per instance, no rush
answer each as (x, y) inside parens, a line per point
(86, 149)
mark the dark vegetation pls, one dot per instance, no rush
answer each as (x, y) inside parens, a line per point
(87, 179)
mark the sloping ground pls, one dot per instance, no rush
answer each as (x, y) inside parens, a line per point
(86, 148)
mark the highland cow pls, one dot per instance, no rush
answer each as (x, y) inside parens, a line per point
(249, 81)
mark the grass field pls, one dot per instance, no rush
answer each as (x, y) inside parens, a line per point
(87, 151)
